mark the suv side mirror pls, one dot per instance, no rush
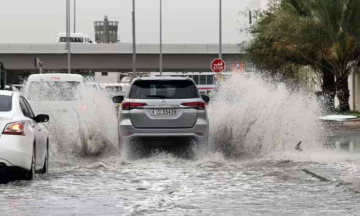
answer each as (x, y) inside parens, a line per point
(205, 98)
(118, 99)
(42, 118)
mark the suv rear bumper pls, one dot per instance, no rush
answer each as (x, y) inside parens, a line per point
(197, 132)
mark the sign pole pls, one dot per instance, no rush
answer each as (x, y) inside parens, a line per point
(220, 30)
(68, 34)
(74, 16)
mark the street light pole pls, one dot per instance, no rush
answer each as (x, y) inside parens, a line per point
(220, 30)
(74, 16)
(161, 57)
(134, 40)
(68, 34)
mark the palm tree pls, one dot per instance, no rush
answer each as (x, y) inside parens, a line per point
(323, 34)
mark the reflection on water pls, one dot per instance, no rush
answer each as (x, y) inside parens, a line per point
(346, 140)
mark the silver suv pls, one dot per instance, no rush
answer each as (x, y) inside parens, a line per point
(165, 108)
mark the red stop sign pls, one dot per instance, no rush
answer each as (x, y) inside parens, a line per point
(217, 65)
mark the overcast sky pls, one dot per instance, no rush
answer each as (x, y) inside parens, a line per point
(184, 21)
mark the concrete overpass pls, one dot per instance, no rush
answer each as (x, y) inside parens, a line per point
(116, 57)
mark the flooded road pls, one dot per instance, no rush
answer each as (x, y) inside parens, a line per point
(166, 185)
(250, 166)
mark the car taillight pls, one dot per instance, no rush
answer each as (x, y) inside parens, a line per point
(16, 128)
(196, 105)
(131, 105)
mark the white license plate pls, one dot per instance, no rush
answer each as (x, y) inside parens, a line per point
(163, 112)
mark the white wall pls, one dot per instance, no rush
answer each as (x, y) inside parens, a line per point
(354, 84)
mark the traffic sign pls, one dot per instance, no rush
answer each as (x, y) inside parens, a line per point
(218, 66)
(38, 63)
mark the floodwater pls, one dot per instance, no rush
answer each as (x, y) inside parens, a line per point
(166, 185)
(249, 167)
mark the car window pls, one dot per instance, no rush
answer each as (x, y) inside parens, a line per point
(159, 89)
(5, 103)
(31, 113)
(24, 109)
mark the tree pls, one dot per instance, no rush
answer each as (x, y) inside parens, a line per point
(322, 34)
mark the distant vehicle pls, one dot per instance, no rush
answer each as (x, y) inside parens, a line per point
(94, 85)
(163, 107)
(55, 92)
(112, 89)
(24, 146)
(74, 38)
(54, 87)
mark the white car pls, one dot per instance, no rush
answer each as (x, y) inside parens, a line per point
(24, 146)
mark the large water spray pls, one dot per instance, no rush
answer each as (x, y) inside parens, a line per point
(78, 128)
(250, 116)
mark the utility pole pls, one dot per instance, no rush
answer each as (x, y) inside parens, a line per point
(68, 34)
(220, 30)
(161, 57)
(74, 16)
(134, 40)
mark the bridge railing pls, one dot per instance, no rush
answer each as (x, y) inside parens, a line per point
(119, 48)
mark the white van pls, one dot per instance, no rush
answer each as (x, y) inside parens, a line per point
(54, 87)
(74, 38)
(56, 93)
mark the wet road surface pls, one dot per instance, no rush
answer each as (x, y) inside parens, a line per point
(166, 185)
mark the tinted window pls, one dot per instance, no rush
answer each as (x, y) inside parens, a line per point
(5, 103)
(54, 91)
(72, 39)
(31, 113)
(169, 89)
(24, 108)
(113, 89)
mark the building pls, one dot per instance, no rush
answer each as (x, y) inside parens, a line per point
(106, 31)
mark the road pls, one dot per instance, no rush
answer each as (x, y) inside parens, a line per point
(267, 177)
(164, 184)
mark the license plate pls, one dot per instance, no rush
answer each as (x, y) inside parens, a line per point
(164, 112)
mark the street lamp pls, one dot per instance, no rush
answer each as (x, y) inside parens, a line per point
(161, 60)
(68, 34)
(134, 40)
(74, 16)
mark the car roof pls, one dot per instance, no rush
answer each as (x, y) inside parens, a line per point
(62, 77)
(163, 78)
(6, 93)
(73, 34)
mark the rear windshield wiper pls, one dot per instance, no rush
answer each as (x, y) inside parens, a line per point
(156, 96)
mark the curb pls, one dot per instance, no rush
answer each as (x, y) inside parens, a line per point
(347, 123)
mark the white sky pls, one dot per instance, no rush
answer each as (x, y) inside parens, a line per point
(184, 21)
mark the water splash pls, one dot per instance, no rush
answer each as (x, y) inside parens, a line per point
(250, 116)
(78, 128)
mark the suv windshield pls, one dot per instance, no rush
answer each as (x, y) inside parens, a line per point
(159, 89)
(5, 103)
(54, 91)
